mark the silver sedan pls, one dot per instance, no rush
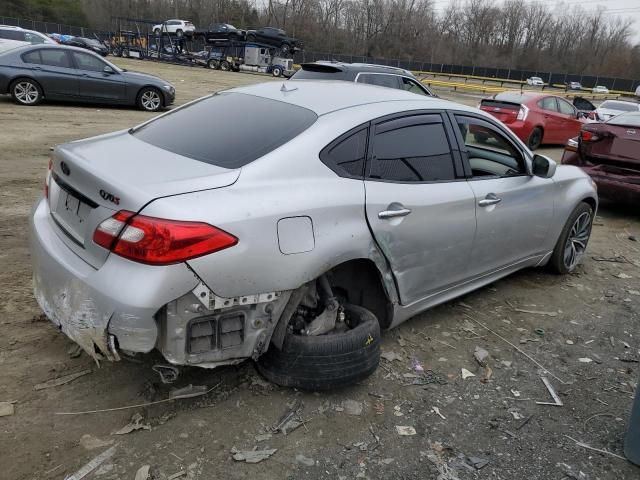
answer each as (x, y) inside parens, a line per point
(293, 227)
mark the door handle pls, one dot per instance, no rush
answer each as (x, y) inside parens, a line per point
(490, 199)
(401, 212)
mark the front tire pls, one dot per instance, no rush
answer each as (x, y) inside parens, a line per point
(25, 91)
(573, 240)
(225, 66)
(535, 138)
(329, 361)
(276, 72)
(149, 99)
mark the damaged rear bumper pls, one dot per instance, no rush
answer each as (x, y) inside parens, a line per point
(616, 184)
(121, 298)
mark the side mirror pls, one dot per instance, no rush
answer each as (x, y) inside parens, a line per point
(108, 69)
(581, 114)
(543, 166)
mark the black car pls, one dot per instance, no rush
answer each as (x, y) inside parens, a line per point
(274, 37)
(56, 72)
(223, 31)
(88, 44)
(380, 75)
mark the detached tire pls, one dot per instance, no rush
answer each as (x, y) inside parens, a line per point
(328, 361)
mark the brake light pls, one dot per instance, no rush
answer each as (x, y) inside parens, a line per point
(587, 136)
(522, 113)
(47, 177)
(157, 241)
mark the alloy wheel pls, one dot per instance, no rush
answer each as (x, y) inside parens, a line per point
(577, 240)
(150, 100)
(26, 92)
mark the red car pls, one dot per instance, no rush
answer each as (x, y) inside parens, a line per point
(538, 118)
(610, 153)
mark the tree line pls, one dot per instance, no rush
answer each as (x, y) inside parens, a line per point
(516, 34)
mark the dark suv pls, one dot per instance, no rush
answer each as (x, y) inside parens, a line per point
(380, 75)
(274, 37)
(222, 32)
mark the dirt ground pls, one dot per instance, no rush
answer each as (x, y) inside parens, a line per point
(485, 426)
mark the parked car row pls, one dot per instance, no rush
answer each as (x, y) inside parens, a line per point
(274, 37)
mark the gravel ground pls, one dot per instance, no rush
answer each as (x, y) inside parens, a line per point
(483, 426)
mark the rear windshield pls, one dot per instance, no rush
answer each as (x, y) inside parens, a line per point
(228, 130)
(631, 119)
(512, 97)
(319, 72)
(622, 106)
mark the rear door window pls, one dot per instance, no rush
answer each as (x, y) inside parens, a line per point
(566, 108)
(548, 103)
(217, 130)
(412, 149)
(55, 57)
(31, 57)
(85, 61)
(381, 80)
(412, 86)
(346, 155)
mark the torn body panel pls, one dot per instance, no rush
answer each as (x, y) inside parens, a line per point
(89, 305)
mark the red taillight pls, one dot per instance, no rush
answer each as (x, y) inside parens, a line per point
(157, 241)
(46, 179)
(587, 136)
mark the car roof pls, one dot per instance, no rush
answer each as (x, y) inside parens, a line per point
(360, 67)
(325, 96)
(11, 27)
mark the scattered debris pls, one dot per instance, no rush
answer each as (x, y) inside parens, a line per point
(74, 351)
(55, 382)
(93, 464)
(466, 374)
(134, 424)
(417, 366)
(436, 410)
(139, 405)
(557, 401)
(429, 377)
(536, 312)
(6, 409)
(290, 420)
(506, 363)
(488, 373)
(569, 472)
(405, 430)
(306, 461)
(585, 360)
(517, 348)
(515, 414)
(481, 356)
(89, 442)
(589, 447)
(478, 463)
(390, 356)
(569, 342)
(179, 474)
(528, 419)
(515, 393)
(252, 456)
(351, 407)
(189, 391)
(539, 331)
(168, 373)
(263, 437)
(623, 276)
(143, 473)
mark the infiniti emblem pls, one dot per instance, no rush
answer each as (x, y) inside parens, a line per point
(65, 168)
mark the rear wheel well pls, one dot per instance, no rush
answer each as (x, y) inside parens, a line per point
(359, 281)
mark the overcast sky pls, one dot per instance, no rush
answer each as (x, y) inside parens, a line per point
(621, 8)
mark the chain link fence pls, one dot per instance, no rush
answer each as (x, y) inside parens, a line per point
(500, 74)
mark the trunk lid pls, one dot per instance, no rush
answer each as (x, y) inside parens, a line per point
(506, 112)
(92, 179)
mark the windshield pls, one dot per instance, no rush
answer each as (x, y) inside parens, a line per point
(217, 130)
(629, 119)
(622, 106)
(513, 97)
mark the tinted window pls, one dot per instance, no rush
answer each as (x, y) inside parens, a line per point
(548, 103)
(230, 139)
(513, 97)
(630, 119)
(412, 86)
(12, 35)
(489, 152)
(55, 58)
(31, 57)
(566, 108)
(319, 72)
(381, 80)
(622, 106)
(413, 153)
(33, 38)
(346, 156)
(84, 61)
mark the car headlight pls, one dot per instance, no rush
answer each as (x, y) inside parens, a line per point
(169, 88)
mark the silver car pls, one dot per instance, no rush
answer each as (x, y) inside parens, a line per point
(293, 228)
